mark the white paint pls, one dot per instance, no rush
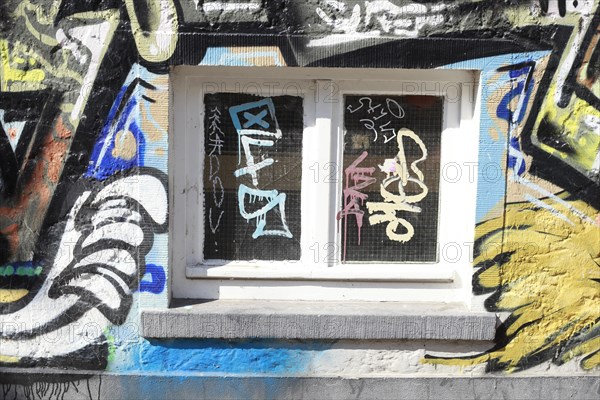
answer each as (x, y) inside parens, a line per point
(124, 231)
(71, 45)
(273, 199)
(104, 215)
(42, 309)
(153, 197)
(537, 202)
(164, 32)
(567, 60)
(345, 25)
(218, 7)
(28, 332)
(545, 193)
(592, 122)
(251, 167)
(321, 276)
(401, 21)
(117, 258)
(14, 127)
(595, 170)
(95, 37)
(584, 7)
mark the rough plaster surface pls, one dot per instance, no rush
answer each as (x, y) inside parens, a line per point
(69, 386)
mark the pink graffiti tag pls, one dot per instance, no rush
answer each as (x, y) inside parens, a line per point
(353, 197)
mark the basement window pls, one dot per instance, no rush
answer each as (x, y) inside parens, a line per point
(323, 184)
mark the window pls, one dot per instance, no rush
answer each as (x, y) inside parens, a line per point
(323, 184)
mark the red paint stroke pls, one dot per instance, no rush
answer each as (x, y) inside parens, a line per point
(360, 177)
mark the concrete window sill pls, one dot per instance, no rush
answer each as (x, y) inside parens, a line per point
(234, 319)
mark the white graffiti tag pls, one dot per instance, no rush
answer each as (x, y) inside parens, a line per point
(215, 144)
(376, 18)
(397, 172)
(274, 199)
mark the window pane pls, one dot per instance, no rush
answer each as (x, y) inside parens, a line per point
(391, 178)
(252, 175)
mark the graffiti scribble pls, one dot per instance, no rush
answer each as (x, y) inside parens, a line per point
(246, 117)
(360, 177)
(397, 172)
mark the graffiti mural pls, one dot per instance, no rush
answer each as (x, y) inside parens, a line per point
(73, 239)
(544, 271)
(84, 140)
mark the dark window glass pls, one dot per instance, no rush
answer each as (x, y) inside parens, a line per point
(391, 178)
(252, 176)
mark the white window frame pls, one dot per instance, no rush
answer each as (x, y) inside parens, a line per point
(446, 280)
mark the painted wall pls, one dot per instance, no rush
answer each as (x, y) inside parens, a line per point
(84, 108)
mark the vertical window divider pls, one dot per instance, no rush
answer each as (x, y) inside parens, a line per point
(326, 198)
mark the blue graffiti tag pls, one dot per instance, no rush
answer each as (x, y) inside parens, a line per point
(261, 110)
(523, 87)
(522, 74)
(158, 276)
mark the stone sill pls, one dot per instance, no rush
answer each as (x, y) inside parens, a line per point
(235, 319)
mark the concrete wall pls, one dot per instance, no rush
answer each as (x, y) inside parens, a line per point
(84, 122)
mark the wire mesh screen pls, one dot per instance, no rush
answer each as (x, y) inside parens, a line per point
(252, 177)
(391, 178)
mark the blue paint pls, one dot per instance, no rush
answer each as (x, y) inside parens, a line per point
(513, 161)
(205, 356)
(252, 119)
(20, 268)
(102, 163)
(503, 111)
(223, 56)
(491, 178)
(156, 283)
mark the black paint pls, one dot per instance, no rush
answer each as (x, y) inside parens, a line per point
(423, 115)
(232, 238)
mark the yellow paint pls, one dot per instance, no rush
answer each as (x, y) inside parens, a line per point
(154, 115)
(385, 211)
(584, 140)
(125, 145)
(39, 19)
(592, 361)
(9, 359)
(35, 14)
(273, 59)
(570, 120)
(25, 80)
(10, 71)
(11, 295)
(549, 281)
(158, 43)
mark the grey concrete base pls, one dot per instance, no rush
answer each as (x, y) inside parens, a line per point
(39, 384)
(317, 320)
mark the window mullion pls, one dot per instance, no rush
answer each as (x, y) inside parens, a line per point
(319, 213)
